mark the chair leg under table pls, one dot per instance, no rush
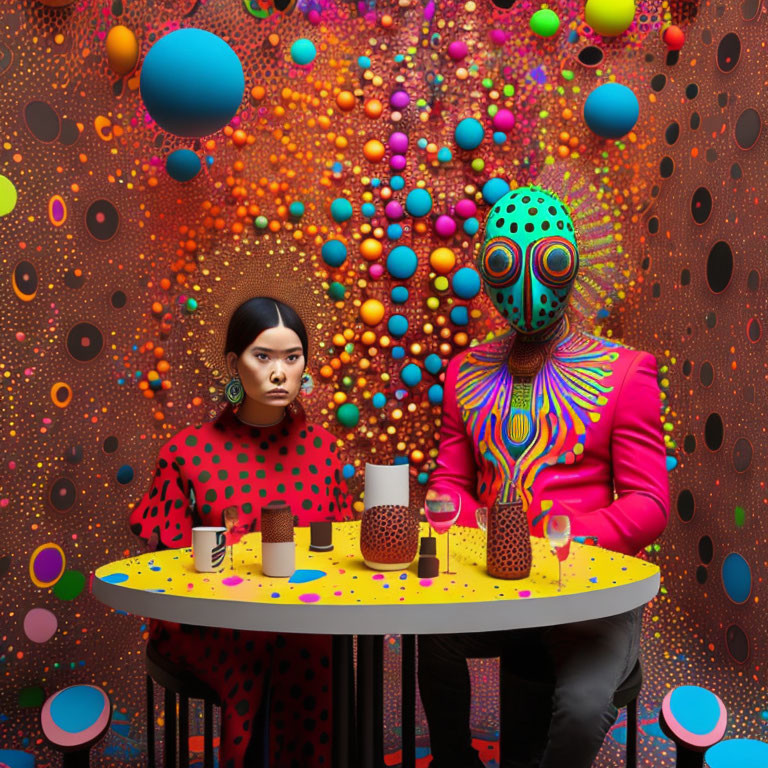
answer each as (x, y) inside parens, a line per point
(370, 701)
(169, 748)
(632, 734)
(408, 707)
(150, 722)
(343, 702)
(207, 734)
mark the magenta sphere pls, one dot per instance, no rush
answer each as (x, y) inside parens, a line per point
(397, 162)
(457, 50)
(313, 17)
(503, 120)
(399, 100)
(445, 226)
(466, 208)
(498, 36)
(398, 142)
(376, 271)
(394, 210)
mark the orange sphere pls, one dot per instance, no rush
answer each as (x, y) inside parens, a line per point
(370, 249)
(345, 100)
(374, 150)
(372, 312)
(373, 108)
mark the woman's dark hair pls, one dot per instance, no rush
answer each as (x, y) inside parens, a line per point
(259, 314)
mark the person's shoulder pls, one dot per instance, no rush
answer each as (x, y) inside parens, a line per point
(189, 436)
(321, 438)
(628, 354)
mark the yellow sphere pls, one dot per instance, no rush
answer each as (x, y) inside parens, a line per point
(442, 260)
(372, 312)
(122, 49)
(609, 17)
(370, 249)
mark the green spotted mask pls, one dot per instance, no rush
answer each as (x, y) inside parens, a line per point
(529, 258)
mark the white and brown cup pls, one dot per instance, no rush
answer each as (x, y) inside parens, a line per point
(278, 549)
(208, 548)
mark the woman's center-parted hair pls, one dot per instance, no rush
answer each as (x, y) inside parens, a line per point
(258, 314)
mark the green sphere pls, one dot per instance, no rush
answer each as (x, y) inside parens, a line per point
(348, 414)
(191, 305)
(545, 23)
(336, 291)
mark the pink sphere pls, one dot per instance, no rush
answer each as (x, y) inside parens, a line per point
(394, 210)
(376, 271)
(466, 208)
(498, 36)
(397, 162)
(457, 50)
(503, 120)
(398, 142)
(445, 226)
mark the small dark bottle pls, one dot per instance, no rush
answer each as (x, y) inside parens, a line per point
(429, 565)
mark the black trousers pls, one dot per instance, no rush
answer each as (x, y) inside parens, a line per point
(557, 690)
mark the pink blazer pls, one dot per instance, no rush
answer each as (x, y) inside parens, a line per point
(598, 453)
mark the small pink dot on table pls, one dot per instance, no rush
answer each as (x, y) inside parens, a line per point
(524, 593)
(310, 597)
(425, 582)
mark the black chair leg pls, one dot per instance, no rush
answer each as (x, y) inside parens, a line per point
(686, 758)
(208, 735)
(408, 706)
(169, 751)
(150, 722)
(79, 759)
(183, 732)
(632, 734)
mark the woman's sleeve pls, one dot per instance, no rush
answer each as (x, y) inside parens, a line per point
(456, 469)
(163, 516)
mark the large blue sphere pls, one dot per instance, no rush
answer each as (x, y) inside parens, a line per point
(419, 202)
(191, 82)
(334, 253)
(411, 375)
(611, 110)
(182, 165)
(469, 133)
(466, 283)
(402, 262)
(493, 189)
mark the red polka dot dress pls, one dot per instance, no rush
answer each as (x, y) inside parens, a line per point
(201, 471)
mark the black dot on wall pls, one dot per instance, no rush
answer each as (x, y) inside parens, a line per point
(728, 52)
(653, 225)
(713, 431)
(701, 205)
(736, 172)
(666, 167)
(753, 280)
(658, 82)
(719, 266)
(689, 444)
(706, 374)
(706, 550)
(685, 277)
(748, 128)
(687, 367)
(737, 643)
(672, 133)
(701, 574)
(710, 320)
(742, 455)
(691, 91)
(685, 505)
(695, 121)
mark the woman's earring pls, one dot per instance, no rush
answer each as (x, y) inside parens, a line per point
(233, 391)
(307, 384)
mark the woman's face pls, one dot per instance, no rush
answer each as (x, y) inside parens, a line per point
(271, 367)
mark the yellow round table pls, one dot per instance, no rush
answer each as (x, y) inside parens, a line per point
(335, 593)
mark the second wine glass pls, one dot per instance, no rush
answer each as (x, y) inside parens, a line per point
(443, 510)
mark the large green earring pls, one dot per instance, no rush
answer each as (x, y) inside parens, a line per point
(233, 391)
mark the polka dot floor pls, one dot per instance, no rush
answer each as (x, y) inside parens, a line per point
(157, 155)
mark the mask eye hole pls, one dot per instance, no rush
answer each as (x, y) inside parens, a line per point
(555, 261)
(500, 261)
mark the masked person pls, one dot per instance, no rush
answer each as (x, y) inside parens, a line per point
(572, 423)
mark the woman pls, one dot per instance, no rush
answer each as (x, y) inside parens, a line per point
(260, 448)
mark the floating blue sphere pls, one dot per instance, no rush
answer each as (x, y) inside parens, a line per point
(611, 110)
(411, 375)
(379, 400)
(418, 202)
(469, 133)
(737, 577)
(394, 231)
(399, 294)
(334, 253)
(397, 325)
(493, 189)
(499, 137)
(348, 471)
(459, 316)
(433, 364)
(435, 394)
(466, 283)
(368, 209)
(191, 82)
(397, 182)
(296, 209)
(341, 209)
(402, 262)
(183, 165)
(125, 474)
(398, 352)
(303, 51)
(471, 226)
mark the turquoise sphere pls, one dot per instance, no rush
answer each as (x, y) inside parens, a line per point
(466, 283)
(493, 189)
(341, 209)
(348, 414)
(418, 202)
(334, 253)
(411, 375)
(397, 325)
(191, 82)
(183, 165)
(303, 51)
(611, 110)
(402, 262)
(469, 133)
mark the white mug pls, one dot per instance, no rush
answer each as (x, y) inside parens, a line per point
(209, 548)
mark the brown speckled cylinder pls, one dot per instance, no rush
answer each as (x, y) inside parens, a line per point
(509, 543)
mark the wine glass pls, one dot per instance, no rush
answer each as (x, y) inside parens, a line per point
(559, 537)
(481, 518)
(443, 510)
